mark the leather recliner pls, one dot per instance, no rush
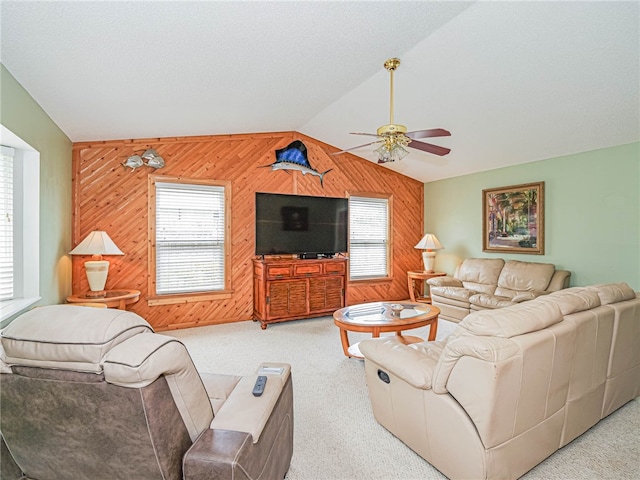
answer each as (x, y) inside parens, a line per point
(94, 393)
(509, 386)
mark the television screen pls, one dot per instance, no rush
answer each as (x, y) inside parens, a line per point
(297, 224)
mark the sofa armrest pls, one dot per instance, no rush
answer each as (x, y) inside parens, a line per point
(414, 364)
(212, 456)
(559, 280)
(225, 453)
(244, 412)
(444, 282)
(489, 349)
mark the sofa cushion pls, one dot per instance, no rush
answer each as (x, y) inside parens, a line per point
(524, 296)
(456, 293)
(444, 282)
(480, 274)
(577, 299)
(486, 300)
(613, 292)
(68, 337)
(516, 320)
(523, 276)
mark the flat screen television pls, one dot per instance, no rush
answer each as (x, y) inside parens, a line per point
(303, 225)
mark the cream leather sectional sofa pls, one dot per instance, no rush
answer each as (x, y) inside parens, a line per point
(510, 386)
(489, 283)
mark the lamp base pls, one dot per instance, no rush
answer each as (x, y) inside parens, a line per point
(97, 271)
(429, 260)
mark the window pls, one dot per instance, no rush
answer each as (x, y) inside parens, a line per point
(189, 233)
(6, 223)
(369, 237)
(19, 226)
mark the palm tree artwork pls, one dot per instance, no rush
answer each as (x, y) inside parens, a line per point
(512, 219)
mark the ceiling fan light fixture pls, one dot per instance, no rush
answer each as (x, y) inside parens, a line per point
(391, 153)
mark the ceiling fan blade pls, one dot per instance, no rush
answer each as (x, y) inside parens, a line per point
(429, 148)
(354, 148)
(360, 133)
(433, 132)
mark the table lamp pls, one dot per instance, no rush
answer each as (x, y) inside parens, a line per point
(429, 243)
(97, 243)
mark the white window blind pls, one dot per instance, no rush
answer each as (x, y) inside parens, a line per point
(368, 237)
(190, 238)
(6, 224)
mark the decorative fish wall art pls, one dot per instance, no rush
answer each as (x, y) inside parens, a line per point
(294, 157)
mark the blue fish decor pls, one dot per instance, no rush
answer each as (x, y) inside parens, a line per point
(294, 157)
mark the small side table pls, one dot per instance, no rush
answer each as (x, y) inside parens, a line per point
(112, 298)
(418, 286)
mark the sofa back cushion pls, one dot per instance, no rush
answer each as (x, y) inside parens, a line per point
(509, 322)
(576, 299)
(613, 292)
(518, 277)
(68, 337)
(118, 343)
(480, 274)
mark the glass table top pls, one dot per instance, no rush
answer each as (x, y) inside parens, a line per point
(382, 311)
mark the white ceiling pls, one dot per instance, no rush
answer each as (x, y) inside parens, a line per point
(514, 82)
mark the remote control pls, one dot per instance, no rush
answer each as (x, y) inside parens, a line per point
(258, 388)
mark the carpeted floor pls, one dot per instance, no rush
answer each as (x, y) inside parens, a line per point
(336, 436)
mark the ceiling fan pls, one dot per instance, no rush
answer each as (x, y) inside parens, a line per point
(394, 138)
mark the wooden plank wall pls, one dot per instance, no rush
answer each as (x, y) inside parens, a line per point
(110, 197)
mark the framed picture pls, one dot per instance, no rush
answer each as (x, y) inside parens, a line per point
(513, 219)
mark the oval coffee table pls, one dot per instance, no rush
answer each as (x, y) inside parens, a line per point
(377, 318)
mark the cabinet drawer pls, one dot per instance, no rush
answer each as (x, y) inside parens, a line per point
(335, 268)
(307, 269)
(279, 271)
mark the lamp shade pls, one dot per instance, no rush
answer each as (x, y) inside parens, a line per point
(97, 243)
(429, 242)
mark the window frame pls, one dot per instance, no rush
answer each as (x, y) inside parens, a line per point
(389, 253)
(26, 206)
(171, 298)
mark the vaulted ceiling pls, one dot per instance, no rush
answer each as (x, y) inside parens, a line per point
(514, 82)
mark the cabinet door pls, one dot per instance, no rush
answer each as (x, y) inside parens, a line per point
(325, 293)
(334, 296)
(277, 299)
(287, 298)
(298, 297)
(317, 291)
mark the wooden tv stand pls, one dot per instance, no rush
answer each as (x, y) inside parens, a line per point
(290, 289)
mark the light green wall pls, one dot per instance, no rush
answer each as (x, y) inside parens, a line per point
(592, 214)
(21, 114)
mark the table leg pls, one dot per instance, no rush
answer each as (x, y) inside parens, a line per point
(344, 338)
(408, 339)
(433, 330)
(411, 287)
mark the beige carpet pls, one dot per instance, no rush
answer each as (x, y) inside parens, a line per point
(336, 436)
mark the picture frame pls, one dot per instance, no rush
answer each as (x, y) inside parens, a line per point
(513, 219)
